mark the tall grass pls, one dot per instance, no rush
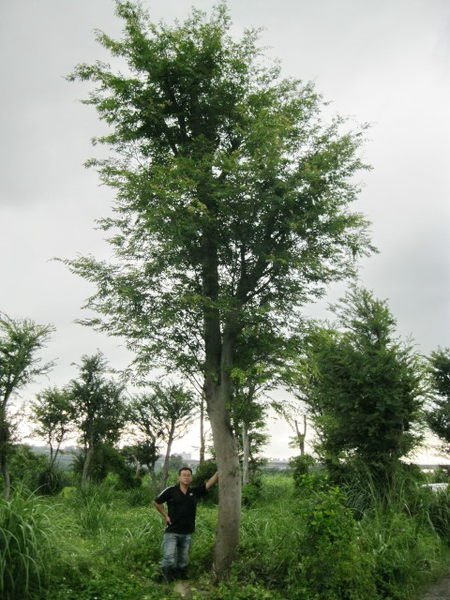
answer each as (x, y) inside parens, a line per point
(92, 506)
(24, 546)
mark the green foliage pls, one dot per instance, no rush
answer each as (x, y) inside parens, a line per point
(252, 492)
(439, 413)
(203, 473)
(402, 552)
(301, 467)
(236, 590)
(331, 565)
(54, 413)
(436, 511)
(97, 402)
(364, 388)
(24, 546)
(92, 506)
(162, 414)
(232, 206)
(51, 481)
(140, 496)
(26, 466)
(232, 197)
(20, 341)
(107, 460)
(100, 411)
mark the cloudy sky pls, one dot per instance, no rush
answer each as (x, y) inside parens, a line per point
(385, 62)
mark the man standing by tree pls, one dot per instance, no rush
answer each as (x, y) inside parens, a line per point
(181, 500)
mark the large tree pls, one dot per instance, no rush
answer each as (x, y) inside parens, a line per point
(20, 343)
(364, 388)
(438, 415)
(232, 205)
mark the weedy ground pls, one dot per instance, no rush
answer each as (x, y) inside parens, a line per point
(304, 542)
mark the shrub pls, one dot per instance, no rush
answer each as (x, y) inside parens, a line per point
(25, 467)
(331, 565)
(301, 466)
(51, 481)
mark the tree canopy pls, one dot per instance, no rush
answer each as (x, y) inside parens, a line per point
(364, 388)
(438, 415)
(20, 343)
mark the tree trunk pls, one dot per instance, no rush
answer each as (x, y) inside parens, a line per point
(165, 469)
(218, 398)
(218, 392)
(202, 431)
(246, 454)
(301, 436)
(4, 448)
(87, 465)
(137, 466)
(5, 475)
(227, 539)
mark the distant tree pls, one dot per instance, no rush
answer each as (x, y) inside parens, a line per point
(54, 413)
(167, 411)
(99, 406)
(248, 415)
(259, 362)
(438, 416)
(146, 430)
(297, 441)
(176, 461)
(364, 388)
(20, 341)
(232, 205)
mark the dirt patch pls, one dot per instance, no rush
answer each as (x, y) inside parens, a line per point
(439, 591)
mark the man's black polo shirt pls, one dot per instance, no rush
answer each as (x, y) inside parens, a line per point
(181, 507)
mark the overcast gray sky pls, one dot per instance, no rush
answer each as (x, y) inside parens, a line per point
(386, 62)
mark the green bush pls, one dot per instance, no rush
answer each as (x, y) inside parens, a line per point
(25, 467)
(51, 481)
(24, 546)
(301, 466)
(331, 565)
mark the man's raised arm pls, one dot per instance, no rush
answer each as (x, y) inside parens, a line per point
(212, 480)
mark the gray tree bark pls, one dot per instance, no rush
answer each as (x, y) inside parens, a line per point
(165, 469)
(245, 455)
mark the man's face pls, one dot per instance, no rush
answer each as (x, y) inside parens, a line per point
(185, 477)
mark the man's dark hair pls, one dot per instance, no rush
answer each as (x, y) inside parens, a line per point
(184, 469)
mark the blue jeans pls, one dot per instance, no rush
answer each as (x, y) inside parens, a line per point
(176, 550)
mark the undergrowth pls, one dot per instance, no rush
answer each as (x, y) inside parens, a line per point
(312, 541)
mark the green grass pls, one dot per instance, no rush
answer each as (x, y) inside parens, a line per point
(24, 546)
